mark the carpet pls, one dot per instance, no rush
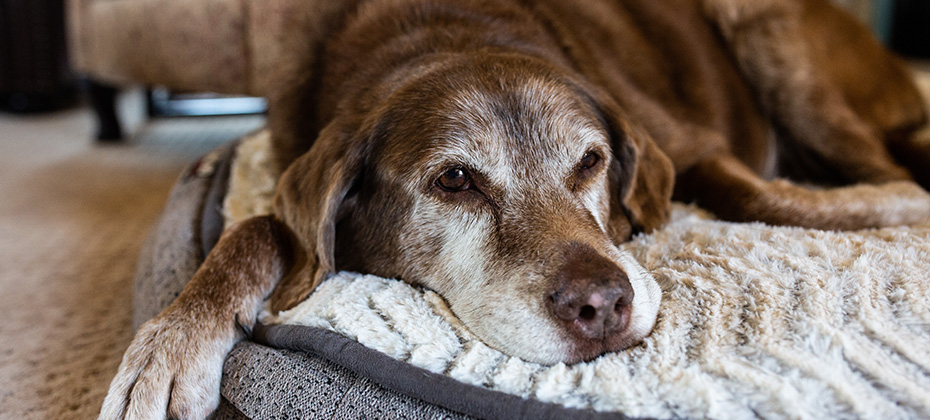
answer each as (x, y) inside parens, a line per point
(72, 219)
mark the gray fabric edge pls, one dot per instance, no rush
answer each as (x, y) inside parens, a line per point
(175, 247)
(227, 411)
(212, 219)
(415, 382)
(266, 383)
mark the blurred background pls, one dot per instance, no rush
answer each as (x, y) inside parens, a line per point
(903, 25)
(35, 75)
(37, 71)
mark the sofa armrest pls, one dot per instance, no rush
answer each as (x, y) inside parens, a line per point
(181, 44)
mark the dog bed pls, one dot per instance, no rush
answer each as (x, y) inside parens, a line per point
(755, 321)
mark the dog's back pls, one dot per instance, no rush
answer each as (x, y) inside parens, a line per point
(662, 60)
(671, 64)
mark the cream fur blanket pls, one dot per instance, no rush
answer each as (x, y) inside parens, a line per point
(755, 321)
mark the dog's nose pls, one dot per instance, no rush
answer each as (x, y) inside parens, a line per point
(591, 297)
(594, 312)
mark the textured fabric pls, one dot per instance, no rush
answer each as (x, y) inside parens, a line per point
(755, 321)
(433, 389)
(227, 411)
(368, 400)
(211, 215)
(175, 248)
(266, 383)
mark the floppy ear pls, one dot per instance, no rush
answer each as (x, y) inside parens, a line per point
(309, 196)
(641, 177)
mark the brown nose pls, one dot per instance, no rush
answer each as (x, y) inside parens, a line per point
(591, 296)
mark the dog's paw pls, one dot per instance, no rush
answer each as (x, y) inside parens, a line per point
(172, 369)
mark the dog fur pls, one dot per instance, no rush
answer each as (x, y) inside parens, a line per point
(573, 124)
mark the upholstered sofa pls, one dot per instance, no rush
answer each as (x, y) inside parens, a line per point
(220, 46)
(224, 46)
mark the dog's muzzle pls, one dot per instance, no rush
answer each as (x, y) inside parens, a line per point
(591, 299)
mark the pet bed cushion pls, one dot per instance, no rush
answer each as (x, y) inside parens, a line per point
(755, 321)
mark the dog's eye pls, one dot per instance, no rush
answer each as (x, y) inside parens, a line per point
(453, 180)
(588, 161)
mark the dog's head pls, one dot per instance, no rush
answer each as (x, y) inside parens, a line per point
(501, 183)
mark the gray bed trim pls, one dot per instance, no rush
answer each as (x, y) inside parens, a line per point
(212, 220)
(413, 381)
(176, 245)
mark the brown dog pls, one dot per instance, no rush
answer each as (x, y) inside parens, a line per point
(496, 151)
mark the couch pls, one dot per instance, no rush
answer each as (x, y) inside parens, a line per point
(220, 46)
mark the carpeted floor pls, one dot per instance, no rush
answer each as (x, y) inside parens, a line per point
(72, 218)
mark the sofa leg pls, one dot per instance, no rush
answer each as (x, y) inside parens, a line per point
(103, 101)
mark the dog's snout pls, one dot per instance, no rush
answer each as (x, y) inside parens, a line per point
(593, 312)
(591, 297)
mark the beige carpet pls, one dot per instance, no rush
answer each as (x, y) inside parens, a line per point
(72, 218)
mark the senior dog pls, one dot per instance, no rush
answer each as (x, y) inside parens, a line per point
(497, 151)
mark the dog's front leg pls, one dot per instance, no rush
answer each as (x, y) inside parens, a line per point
(173, 366)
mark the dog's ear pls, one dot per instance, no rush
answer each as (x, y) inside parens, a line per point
(309, 197)
(641, 176)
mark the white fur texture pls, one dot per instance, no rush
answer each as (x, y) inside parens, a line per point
(756, 321)
(252, 179)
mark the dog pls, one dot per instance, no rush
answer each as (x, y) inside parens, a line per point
(498, 151)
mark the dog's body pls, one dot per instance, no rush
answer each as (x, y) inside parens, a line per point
(497, 151)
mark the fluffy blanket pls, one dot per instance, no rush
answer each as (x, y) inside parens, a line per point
(755, 321)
